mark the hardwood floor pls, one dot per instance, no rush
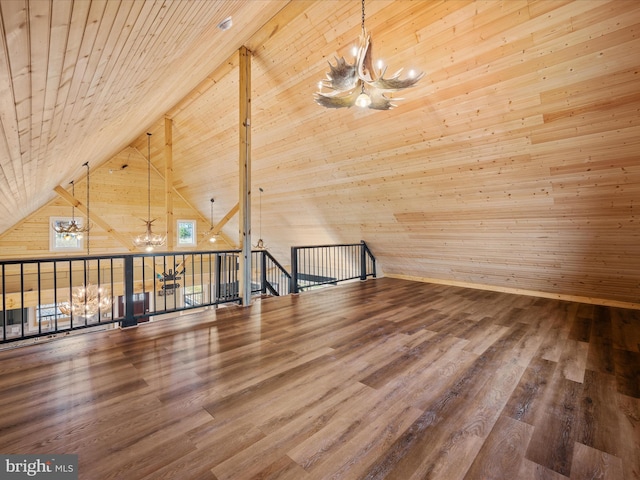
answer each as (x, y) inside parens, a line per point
(379, 379)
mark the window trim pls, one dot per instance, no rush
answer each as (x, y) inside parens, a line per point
(194, 236)
(53, 236)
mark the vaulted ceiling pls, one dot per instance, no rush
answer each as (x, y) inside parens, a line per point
(514, 162)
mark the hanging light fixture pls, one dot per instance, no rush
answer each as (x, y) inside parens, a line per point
(72, 229)
(213, 236)
(87, 301)
(361, 83)
(149, 240)
(260, 245)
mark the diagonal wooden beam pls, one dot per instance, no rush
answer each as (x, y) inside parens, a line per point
(125, 241)
(202, 217)
(217, 229)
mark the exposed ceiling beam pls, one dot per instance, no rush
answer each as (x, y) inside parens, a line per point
(125, 241)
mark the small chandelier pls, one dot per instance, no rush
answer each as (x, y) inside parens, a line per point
(260, 245)
(362, 84)
(87, 301)
(213, 236)
(149, 240)
(71, 229)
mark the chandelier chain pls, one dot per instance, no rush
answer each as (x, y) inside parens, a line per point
(261, 190)
(73, 194)
(363, 15)
(148, 176)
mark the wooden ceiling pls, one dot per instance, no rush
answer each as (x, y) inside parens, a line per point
(514, 163)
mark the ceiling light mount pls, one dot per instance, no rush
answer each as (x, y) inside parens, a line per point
(226, 24)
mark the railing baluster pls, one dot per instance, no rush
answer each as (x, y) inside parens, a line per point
(4, 305)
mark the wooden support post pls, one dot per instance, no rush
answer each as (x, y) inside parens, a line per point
(244, 161)
(168, 181)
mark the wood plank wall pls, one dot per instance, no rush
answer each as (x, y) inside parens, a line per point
(514, 164)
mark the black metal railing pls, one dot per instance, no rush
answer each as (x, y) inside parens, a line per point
(179, 281)
(269, 277)
(46, 297)
(313, 266)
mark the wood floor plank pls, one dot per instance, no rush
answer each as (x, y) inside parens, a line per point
(386, 378)
(561, 320)
(591, 463)
(600, 357)
(527, 399)
(627, 366)
(534, 471)
(502, 453)
(599, 420)
(555, 429)
(363, 440)
(625, 329)
(629, 421)
(573, 360)
(581, 329)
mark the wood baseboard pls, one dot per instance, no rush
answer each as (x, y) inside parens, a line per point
(521, 291)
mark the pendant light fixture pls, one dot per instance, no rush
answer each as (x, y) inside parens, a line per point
(260, 245)
(213, 237)
(72, 229)
(361, 83)
(149, 240)
(87, 301)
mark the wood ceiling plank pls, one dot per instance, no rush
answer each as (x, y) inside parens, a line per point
(75, 28)
(16, 35)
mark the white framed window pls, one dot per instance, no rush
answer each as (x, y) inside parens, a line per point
(59, 242)
(187, 233)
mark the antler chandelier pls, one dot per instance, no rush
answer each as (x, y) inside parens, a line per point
(87, 301)
(72, 229)
(361, 83)
(149, 240)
